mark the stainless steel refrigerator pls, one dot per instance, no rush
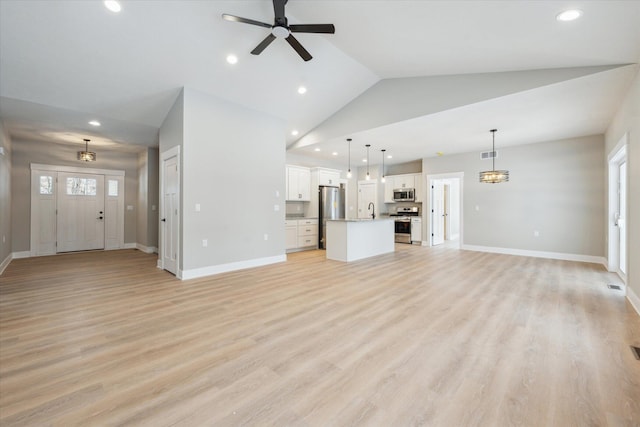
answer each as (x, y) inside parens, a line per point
(330, 206)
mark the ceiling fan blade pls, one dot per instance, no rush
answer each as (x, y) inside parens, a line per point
(295, 44)
(278, 11)
(263, 44)
(244, 20)
(313, 28)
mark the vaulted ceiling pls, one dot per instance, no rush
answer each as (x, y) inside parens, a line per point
(64, 63)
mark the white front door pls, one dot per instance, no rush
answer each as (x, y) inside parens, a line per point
(170, 187)
(367, 193)
(437, 213)
(80, 223)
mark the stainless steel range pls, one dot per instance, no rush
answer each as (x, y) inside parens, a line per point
(403, 223)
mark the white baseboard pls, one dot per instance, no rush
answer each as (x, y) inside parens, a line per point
(147, 249)
(633, 299)
(5, 263)
(538, 254)
(22, 254)
(232, 266)
(129, 246)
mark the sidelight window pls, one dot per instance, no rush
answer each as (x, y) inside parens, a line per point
(46, 185)
(112, 188)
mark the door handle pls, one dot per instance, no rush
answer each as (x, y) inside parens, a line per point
(99, 217)
(164, 220)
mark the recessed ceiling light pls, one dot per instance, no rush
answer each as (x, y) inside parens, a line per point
(302, 90)
(316, 149)
(335, 153)
(569, 15)
(113, 5)
(389, 156)
(94, 123)
(364, 160)
(232, 59)
(294, 132)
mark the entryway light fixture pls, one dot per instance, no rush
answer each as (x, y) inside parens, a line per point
(382, 179)
(368, 176)
(349, 171)
(493, 176)
(86, 155)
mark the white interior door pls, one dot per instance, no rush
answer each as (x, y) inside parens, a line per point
(80, 223)
(169, 222)
(622, 209)
(367, 193)
(437, 213)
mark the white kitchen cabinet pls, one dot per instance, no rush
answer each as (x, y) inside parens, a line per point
(388, 189)
(418, 187)
(298, 184)
(307, 233)
(328, 177)
(291, 234)
(404, 181)
(416, 230)
(301, 234)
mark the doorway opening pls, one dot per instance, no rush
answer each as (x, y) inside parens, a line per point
(617, 212)
(444, 212)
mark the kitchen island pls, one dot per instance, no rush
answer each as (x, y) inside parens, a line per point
(354, 239)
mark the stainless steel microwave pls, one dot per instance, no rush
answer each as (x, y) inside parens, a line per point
(404, 195)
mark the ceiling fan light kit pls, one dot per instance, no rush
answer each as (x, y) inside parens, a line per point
(282, 30)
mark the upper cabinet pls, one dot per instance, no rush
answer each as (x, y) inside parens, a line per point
(404, 181)
(412, 180)
(298, 183)
(328, 177)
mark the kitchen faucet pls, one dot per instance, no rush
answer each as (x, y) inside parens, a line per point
(373, 214)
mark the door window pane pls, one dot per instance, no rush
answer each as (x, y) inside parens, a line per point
(113, 188)
(46, 185)
(81, 187)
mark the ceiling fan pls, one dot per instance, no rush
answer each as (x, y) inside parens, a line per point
(282, 30)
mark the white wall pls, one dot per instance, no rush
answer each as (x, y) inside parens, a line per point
(627, 121)
(5, 197)
(556, 188)
(233, 163)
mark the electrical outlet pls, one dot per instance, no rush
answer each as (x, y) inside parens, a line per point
(276, 208)
(129, 207)
(197, 207)
(536, 233)
(277, 194)
(205, 243)
(266, 237)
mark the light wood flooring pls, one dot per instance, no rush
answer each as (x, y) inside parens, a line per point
(424, 336)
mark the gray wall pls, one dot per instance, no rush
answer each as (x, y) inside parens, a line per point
(556, 188)
(5, 195)
(233, 163)
(27, 152)
(627, 120)
(233, 160)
